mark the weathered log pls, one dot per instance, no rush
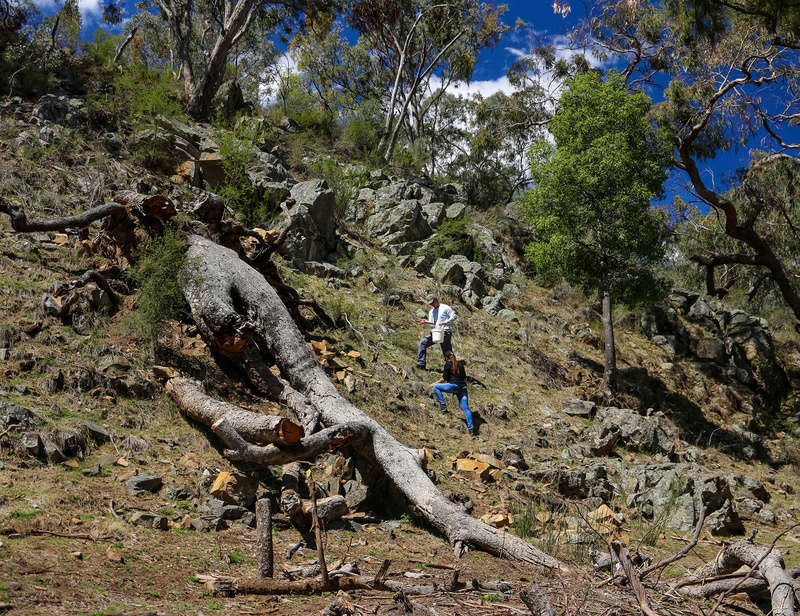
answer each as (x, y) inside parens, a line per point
(224, 293)
(307, 448)
(624, 558)
(537, 602)
(328, 509)
(192, 399)
(264, 537)
(21, 223)
(755, 584)
(768, 562)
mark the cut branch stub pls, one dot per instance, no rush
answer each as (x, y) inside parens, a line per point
(192, 399)
(221, 289)
(155, 207)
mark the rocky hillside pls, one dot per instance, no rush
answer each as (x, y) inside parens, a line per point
(112, 502)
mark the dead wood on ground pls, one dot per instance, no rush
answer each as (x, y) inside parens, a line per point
(226, 295)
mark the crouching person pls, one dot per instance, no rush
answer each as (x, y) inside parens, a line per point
(454, 381)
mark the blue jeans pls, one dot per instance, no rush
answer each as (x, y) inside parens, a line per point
(428, 341)
(463, 399)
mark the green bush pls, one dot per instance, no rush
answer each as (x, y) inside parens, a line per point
(159, 273)
(344, 181)
(451, 239)
(136, 94)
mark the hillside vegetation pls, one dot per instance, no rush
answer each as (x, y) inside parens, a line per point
(161, 255)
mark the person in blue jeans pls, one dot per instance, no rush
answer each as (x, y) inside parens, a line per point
(454, 381)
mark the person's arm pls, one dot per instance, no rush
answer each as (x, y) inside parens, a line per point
(445, 374)
(448, 317)
(430, 319)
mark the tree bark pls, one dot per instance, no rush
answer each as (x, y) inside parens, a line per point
(264, 537)
(224, 293)
(192, 399)
(610, 368)
(21, 223)
(769, 564)
(537, 602)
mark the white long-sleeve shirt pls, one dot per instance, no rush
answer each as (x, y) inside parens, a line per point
(444, 314)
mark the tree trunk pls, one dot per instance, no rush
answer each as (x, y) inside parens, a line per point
(768, 563)
(610, 369)
(226, 294)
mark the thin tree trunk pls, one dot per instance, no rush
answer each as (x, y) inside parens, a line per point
(224, 292)
(610, 369)
(264, 537)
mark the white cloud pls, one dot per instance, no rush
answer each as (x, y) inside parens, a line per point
(517, 52)
(484, 87)
(90, 7)
(86, 7)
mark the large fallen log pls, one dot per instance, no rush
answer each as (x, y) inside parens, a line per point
(768, 562)
(226, 295)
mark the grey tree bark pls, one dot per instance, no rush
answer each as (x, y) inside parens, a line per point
(264, 537)
(610, 370)
(229, 297)
(769, 564)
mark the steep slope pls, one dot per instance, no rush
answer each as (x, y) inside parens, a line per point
(709, 403)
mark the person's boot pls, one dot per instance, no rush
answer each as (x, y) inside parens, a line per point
(472, 432)
(442, 407)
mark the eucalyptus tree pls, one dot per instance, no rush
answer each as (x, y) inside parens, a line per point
(590, 202)
(736, 88)
(203, 34)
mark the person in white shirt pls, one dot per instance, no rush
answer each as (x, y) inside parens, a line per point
(440, 315)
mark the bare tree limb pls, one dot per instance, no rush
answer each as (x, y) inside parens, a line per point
(21, 223)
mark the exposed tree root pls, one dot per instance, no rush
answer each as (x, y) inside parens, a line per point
(231, 302)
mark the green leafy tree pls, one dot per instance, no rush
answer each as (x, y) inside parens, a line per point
(734, 78)
(590, 205)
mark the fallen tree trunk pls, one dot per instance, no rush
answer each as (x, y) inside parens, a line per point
(21, 223)
(708, 587)
(226, 295)
(768, 562)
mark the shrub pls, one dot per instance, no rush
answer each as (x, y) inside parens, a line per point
(136, 94)
(451, 239)
(344, 181)
(159, 273)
